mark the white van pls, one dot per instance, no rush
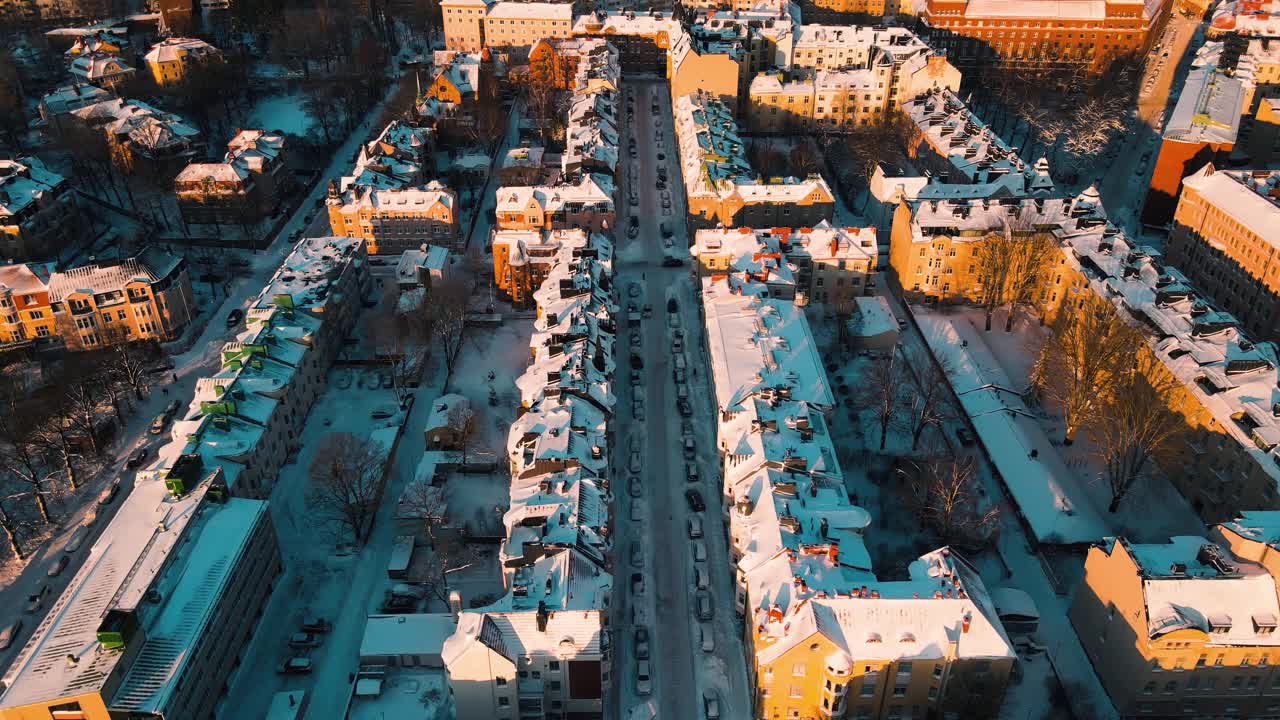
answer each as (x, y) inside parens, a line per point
(699, 551)
(695, 527)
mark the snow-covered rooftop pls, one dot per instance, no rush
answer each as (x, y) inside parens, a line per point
(149, 266)
(592, 189)
(1249, 18)
(969, 145)
(1248, 197)
(179, 49)
(531, 11)
(306, 277)
(1208, 110)
(396, 635)
(23, 182)
(145, 537)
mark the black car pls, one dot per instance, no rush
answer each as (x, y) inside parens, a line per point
(672, 306)
(637, 362)
(138, 457)
(661, 157)
(671, 261)
(686, 410)
(234, 317)
(694, 499)
(637, 583)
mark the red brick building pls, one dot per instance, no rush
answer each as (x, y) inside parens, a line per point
(1034, 32)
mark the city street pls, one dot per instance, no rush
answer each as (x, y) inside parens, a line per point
(682, 669)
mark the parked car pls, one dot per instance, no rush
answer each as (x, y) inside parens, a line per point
(634, 488)
(671, 261)
(711, 703)
(380, 414)
(633, 461)
(695, 528)
(648, 310)
(160, 422)
(316, 624)
(637, 409)
(637, 583)
(58, 566)
(77, 539)
(695, 501)
(110, 494)
(138, 457)
(644, 678)
(690, 448)
(36, 599)
(637, 512)
(295, 666)
(703, 599)
(9, 633)
(708, 638)
(235, 316)
(633, 290)
(686, 410)
(691, 472)
(700, 580)
(637, 555)
(672, 306)
(642, 643)
(637, 362)
(172, 408)
(304, 640)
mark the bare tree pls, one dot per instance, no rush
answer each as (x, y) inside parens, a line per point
(1083, 359)
(804, 158)
(9, 525)
(22, 454)
(880, 392)
(945, 491)
(463, 423)
(446, 557)
(449, 299)
(928, 405)
(346, 481)
(428, 504)
(765, 158)
(994, 259)
(128, 362)
(80, 403)
(1135, 425)
(1031, 262)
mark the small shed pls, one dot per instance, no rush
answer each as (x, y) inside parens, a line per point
(1016, 610)
(406, 640)
(872, 326)
(440, 433)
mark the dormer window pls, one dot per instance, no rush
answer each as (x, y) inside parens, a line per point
(1264, 623)
(1219, 623)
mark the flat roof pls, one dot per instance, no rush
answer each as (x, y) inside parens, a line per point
(417, 634)
(120, 568)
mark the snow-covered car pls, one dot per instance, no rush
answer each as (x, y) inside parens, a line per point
(36, 599)
(699, 551)
(708, 638)
(700, 581)
(58, 566)
(648, 310)
(644, 678)
(678, 375)
(9, 633)
(703, 600)
(110, 495)
(642, 643)
(316, 625)
(686, 410)
(637, 512)
(691, 472)
(633, 290)
(690, 449)
(666, 203)
(677, 345)
(695, 528)
(637, 583)
(633, 461)
(636, 379)
(172, 408)
(304, 640)
(711, 703)
(295, 666)
(634, 488)
(637, 409)
(637, 555)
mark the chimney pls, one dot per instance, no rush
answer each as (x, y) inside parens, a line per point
(542, 616)
(964, 625)
(775, 613)
(455, 603)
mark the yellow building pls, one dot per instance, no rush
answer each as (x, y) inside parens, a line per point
(516, 26)
(147, 297)
(464, 24)
(170, 59)
(392, 221)
(1185, 628)
(891, 650)
(25, 312)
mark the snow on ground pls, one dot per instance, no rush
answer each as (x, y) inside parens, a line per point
(285, 113)
(503, 351)
(1043, 487)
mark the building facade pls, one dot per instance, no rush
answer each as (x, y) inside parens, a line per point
(146, 297)
(393, 221)
(26, 315)
(587, 205)
(171, 60)
(39, 215)
(464, 24)
(246, 186)
(1223, 238)
(514, 27)
(1091, 33)
(1183, 629)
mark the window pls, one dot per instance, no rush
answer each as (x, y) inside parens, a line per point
(503, 701)
(796, 691)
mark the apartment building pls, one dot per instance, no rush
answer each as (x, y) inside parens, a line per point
(461, 83)
(464, 24)
(145, 297)
(916, 67)
(38, 211)
(642, 39)
(586, 205)
(816, 264)
(171, 60)
(158, 144)
(246, 186)
(712, 68)
(756, 40)
(1227, 458)
(721, 186)
(1223, 238)
(1204, 127)
(591, 135)
(1090, 33)
(949, 141)
(523, 258)
(102, 69)
(396, 220)
(514, 27)
(58, 104)
(825, 637)
(26, 314)
(1184, 628)
(392, 160)
(154, 621)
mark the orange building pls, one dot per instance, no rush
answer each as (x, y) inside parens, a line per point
(1092, 32)
(523, 258)
(25, 312)
(147, 297)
